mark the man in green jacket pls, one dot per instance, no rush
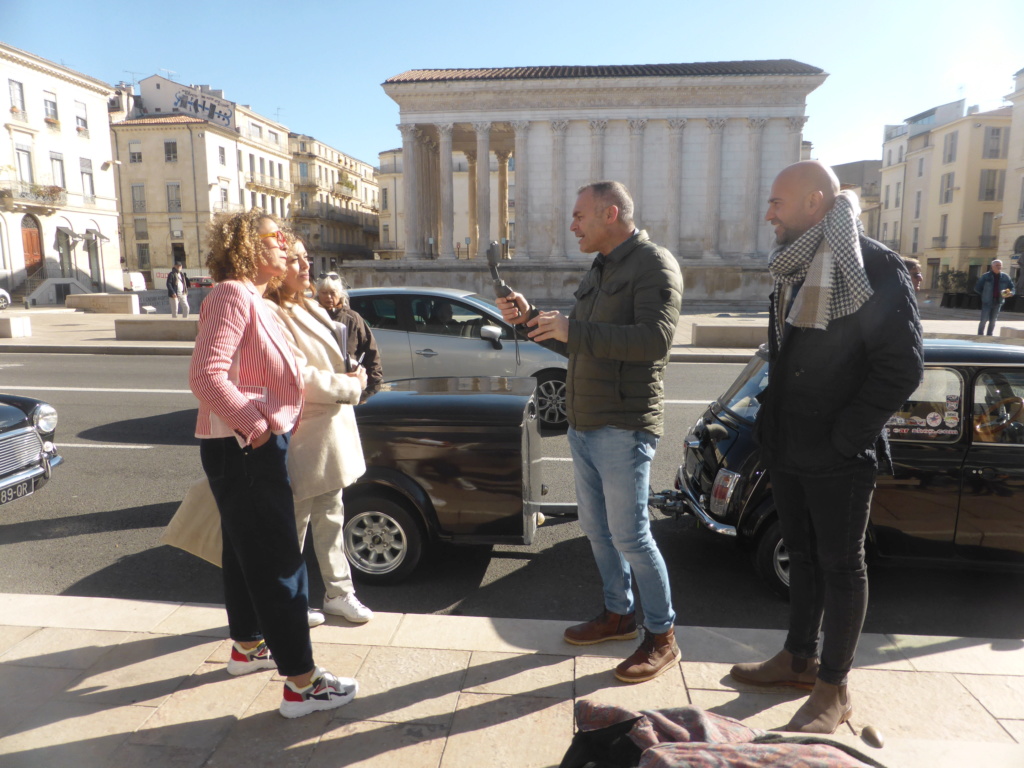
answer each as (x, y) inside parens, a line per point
(617, 339)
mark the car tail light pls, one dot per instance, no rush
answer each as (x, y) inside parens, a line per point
(725, 483)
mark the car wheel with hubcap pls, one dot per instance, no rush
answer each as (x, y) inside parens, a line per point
(771, 558)
(551, 399)
(383, 540)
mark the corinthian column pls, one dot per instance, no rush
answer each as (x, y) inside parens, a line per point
(675, 181)
(636, 164)
(716, 127)
(503, 155)
(597, 129)
(752, 223)
(796, 135)
(447, 246)
(472, 248)
(558, 223)
(410, 191)
(483, 183)
(522, 127)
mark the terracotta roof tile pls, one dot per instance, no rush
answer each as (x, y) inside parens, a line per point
(699, 69)
(161, 119)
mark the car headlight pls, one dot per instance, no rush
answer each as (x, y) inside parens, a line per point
(725, 483)
(45, 418)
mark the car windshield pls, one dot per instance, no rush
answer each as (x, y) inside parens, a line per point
(741, 398)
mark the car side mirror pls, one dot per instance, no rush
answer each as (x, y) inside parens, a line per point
(491, 333)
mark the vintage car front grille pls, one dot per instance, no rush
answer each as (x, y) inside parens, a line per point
(19, 449)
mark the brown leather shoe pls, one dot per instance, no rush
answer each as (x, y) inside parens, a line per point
(655, 655)
(828, 707)
(781, 669)
(607, 626)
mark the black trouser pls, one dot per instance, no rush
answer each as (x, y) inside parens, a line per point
(824, 520)
(266, 589)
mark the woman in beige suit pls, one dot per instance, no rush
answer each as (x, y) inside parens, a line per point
(325, 453)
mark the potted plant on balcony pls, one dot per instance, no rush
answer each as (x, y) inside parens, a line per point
(53, 122)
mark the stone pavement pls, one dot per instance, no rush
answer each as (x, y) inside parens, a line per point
(99, 682)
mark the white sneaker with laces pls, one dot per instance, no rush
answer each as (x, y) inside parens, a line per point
(245, 662)
(348, 607)
(324, 692)
(314, 617)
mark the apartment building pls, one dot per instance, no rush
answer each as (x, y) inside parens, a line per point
(58, 211)
(1011, 225)
(334, 205)
(186, 153)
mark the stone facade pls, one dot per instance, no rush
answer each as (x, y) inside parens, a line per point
(698, 145)
(1011, 229)
(58, 210)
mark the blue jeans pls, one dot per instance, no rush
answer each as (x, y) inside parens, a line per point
(612, 468)
(989, 313)
(266, 589)
(823, 521)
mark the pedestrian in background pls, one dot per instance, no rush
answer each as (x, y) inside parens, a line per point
(331, 293)
(250, 395)
(177, 290)
(845, 353)
(994, 287)
(617, 339)
(325, 454)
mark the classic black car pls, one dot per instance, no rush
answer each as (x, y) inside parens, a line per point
(448, 459)
(957, 492)
(27, 452)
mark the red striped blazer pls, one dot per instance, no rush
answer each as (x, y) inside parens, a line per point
(243, 372)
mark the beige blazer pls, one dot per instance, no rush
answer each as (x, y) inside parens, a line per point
(325, 453)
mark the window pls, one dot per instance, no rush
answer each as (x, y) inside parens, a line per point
(81, 117)
(273, 206)
(943, 224)
(934, 413)
(174, 196)
(239, 159)
(256, 130)
(252, 199)
(17, 95)
(946, 188)
(263, 167)
(263, 202)
(302, 146)
(170, 151)
(222, 155)
(88, 190)
(913, 241)
(280, 170)
(57, 169)
(987, 225)
(933, 271)
(992, 182)
(920, 167)
(887, 196)
(994, 147)
(142, 250)
(50, 107)
(385, 233)
(141, 229)
(899, 187)
(304, 200)
(134, 151)
(900, 159)
(384, 199)
(24, 158)
(377, 311)
(224, 195)
(998, 416)
(177, 230)
(949, 147)
(885, 231)
(888, 157)
(138, 197)
(917, 204)
(303, 170)
(271, 137)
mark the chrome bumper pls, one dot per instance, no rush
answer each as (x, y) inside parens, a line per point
(684, 502)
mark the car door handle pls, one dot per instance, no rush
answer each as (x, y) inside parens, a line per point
(426, 352)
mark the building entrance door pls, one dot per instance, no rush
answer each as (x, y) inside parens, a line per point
(30, 241)
(178, 254)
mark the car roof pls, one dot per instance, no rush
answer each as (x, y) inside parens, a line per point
(970, 351)
(451, 293)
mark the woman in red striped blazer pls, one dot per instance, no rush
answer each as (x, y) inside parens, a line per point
(250, 394)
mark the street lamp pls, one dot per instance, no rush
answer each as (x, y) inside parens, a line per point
(468, 241)
(430, 244)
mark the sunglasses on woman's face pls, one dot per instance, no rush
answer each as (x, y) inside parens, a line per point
(281, 242)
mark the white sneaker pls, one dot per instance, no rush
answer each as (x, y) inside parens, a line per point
(348, 607)
(315, 617)
(325, 692)
(243, 662)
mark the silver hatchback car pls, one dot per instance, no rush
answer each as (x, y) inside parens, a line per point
(426, 332)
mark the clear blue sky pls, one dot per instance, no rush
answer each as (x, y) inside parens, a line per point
(321, 64)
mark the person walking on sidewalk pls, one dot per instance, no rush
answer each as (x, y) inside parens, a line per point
(250, 395)
(994, 287)
(325, 453)
(845, 353)
(617, 338)
(177, 290)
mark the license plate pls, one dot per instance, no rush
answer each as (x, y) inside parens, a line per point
(16, 491)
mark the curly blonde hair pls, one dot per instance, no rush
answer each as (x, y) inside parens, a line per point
(235, 246)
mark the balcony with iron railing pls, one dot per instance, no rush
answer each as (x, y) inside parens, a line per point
(23, 194)
(139, 206)
(19, 114)
(267, 182)
(174, 206)
(222, 206)
(988, 241)
(939, 242)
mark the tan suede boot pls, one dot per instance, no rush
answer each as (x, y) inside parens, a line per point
(781, 669)
(656, 654)
(607, 626)
(828, 707)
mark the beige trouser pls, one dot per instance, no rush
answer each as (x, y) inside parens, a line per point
(326, 514)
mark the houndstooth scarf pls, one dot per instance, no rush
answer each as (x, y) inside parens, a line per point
(827, 260)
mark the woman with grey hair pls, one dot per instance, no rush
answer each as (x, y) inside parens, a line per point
(331, 293)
